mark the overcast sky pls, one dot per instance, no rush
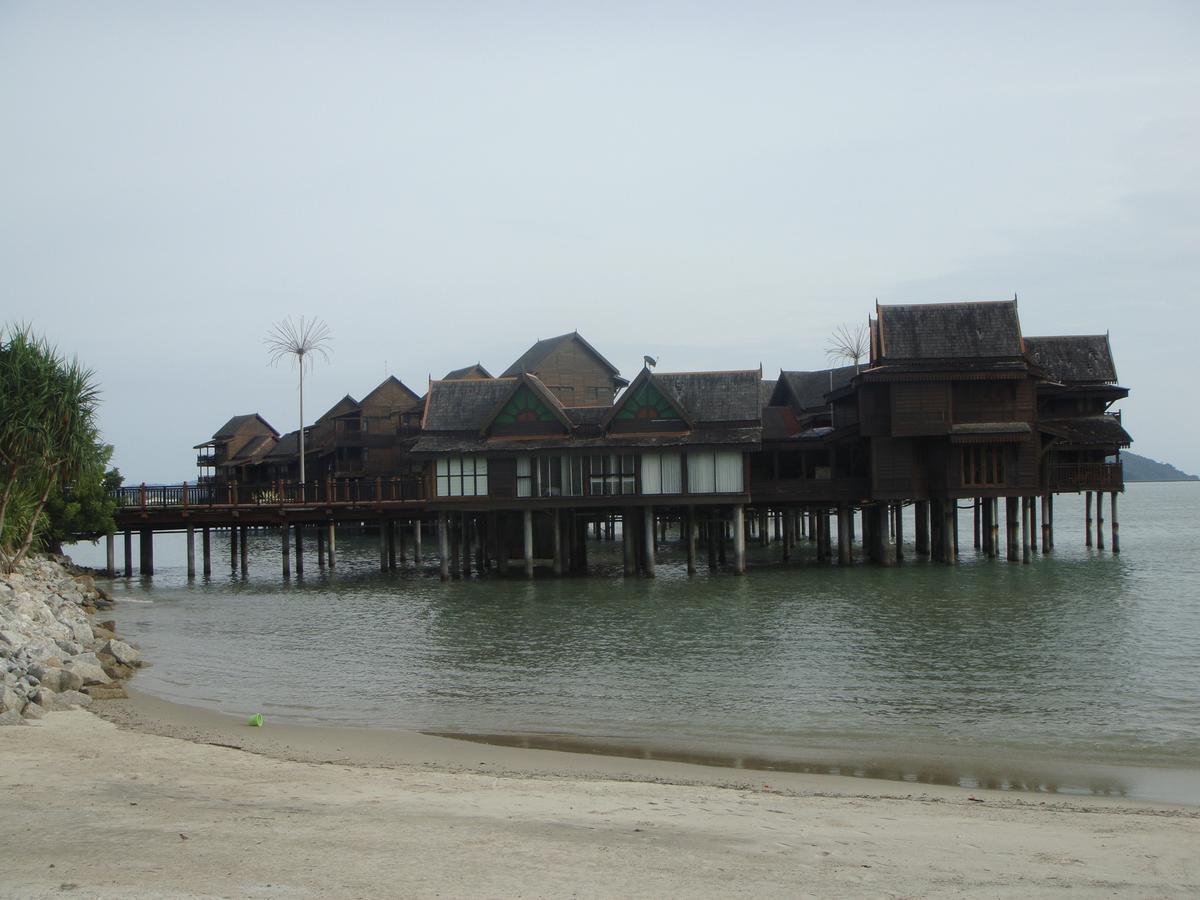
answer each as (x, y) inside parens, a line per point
(715, 184)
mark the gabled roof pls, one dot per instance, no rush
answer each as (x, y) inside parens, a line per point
(389, 383)
(766, 389)
(468, 372)
(346, 405)
(463, 405)
(1103, 430)
(635, 390)
(538, 353)
(937, 331)
(808, 389)
(1074, 359)
(286, 448)
(253, 450)
(711, 397)
(233, 426)
(532, 383)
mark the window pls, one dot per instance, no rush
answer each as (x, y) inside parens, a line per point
(715, 472)
(462, 476)
(983, 464)
(550, 476)
(612, 474)
(662, 473)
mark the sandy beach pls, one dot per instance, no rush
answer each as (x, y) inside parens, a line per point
(158, 800)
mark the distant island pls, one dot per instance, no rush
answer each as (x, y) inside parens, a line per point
(1141, 468)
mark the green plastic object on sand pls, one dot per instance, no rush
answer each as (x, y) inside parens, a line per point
(256, 720)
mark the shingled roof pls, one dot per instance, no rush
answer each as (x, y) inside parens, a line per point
(234, 425)
(463, 405)
(537, 354)
(1101, 430)
(714, 396)
(809, 388)
(1074, 359)
(468, 372)
(937, 331)
(286, 448)
(253, 450)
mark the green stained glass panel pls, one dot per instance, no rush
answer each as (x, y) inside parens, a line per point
(525, 407)
(647, 403)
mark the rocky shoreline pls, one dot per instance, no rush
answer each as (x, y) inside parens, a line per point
(53, 653)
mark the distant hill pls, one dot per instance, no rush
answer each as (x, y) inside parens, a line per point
(1141, 468)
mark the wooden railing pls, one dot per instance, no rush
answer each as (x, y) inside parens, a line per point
(1087, 477)
(276, 493)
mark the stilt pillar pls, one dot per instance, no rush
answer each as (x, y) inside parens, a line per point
(383, 547)
(985, 524)
(1087, 518)
(844, 518)
(417, 544)
(1099, 520)
(331, 545)
(320, 547)
(648, 539)
(110, 554)
(244, 549)
(556, 523)
(146, 555)
(739, 539)
(1033, 524)
(1050, 506)
(994, 503)
(977, 525)
(206, 552)
(391, 545)
(527, 525)
(1025, 512)
(443, 546)
(1010, 529)
(690, 518)
(628, 547)
(899, 531)
(1045, 524)
(285, 547)
(128, 553)
(1116, 528)
(233, 548)
(921, 512)
(298, 527)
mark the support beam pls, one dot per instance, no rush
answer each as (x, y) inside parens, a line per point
(648, 538)
(556, 527)
(1099, 520)
(417, 544)
(383, 547)
(739, 540)
(206, 552)
(443, 546)
(1087, 518)
(286, 550)
(1050, 504)
(320, 547)
(233, 549)
(1045, 524)
(1033, 524)
(987, 528)
(128, 553)
(789, 522)
(977, 529)
(921, 512)
(950, 531)
(1025, 514)
(845, 551)
(995, 505)
(1116, 528)
(1011, 536)
(690, 519)
(331, 545)
(298, 527)
(146, 556)
(390, 529)
(628, 549)
(110, 554)
(527, 527)
(899, 507)
(244, 550)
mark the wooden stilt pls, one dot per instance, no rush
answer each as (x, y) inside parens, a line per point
(995, 504)
(691, 539)
(191, 552)
(1116, 528)
(1033, 526)
(233, 549)
(128, 553)
(285, 550)
(921, 515)
(146, 555)
(527, 527)
(1087, 516)
(788, 538)
(739, 540)
(710, 528)
(1025, 551)
(331, 545)
(844, 518)
(985, 528)
(899, 531)
(1050, 505)
(1045, 524)
(976, 517)
(648, 534)
(206, 552)
(320, 547)
(390, 532)
(383, 547)
(110, 555)
(244, 550)
(417, 544)
(1010, 529)
(443, 546)
(628, 548)
(950, 530)
(1099, 520)
(556, 529)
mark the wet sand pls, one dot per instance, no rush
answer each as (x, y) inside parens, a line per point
(180, 802)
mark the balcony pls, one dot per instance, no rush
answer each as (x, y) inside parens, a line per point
(206, 459)
(1071, 477)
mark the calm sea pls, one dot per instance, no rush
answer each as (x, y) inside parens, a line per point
(1079, 673)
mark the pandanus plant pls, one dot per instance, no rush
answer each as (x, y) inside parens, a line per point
(47, 433)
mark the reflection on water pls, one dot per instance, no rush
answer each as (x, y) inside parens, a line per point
(988, 673)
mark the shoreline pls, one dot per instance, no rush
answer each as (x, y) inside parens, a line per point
(526, 757)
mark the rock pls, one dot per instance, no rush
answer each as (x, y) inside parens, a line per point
(86, 583)
(9, 699)
(91, 673)
(118, 671)
(11, 717)
(100, 633)
(122, 651)
(106, 692)
(54, 702)
(59, 680)
(33, 711)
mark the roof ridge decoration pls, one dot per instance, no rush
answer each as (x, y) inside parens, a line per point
(528, 401)
(647, 399)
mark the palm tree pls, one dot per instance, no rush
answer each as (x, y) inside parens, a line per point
(849, 343)
(302, 342)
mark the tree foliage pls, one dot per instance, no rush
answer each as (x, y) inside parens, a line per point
(48, 435)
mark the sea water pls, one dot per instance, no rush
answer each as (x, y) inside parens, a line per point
(1078, 673)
